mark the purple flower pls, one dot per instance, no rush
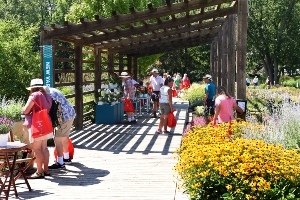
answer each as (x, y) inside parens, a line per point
(6, 125)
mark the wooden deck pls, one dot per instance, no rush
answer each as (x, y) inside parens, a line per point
(117, 162)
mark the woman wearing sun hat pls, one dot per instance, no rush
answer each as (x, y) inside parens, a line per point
(39, 144)
(129, 93)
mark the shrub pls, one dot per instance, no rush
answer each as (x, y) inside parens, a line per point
(12, 108)
(281, 126)
(213, 166)
(194, 94)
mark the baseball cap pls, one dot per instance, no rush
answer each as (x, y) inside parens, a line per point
(154, 70)
(207, 76)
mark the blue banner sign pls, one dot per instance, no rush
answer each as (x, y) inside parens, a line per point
(47, 64)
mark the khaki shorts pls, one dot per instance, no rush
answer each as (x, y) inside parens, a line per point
(164, 108)
(64, 130)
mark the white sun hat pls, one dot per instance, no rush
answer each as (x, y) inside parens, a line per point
(124, 74)
(34, 83)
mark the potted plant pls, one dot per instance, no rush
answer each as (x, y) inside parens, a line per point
(6, 125)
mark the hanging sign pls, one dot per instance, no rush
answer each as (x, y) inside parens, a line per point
(47, 64)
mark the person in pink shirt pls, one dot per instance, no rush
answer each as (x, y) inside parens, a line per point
(224, 106)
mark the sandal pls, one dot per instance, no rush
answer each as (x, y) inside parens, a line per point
(36, 175)
(47, 173)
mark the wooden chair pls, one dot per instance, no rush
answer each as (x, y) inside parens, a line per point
(22, 164)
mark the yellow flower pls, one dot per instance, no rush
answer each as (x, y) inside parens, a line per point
(238, 191)
(229, 187)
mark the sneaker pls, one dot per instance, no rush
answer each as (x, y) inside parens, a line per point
(67, 161)
(166, 132)
(158, 131)
(56, 165)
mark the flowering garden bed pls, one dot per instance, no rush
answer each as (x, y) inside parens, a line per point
(257, 159)
(213, 165)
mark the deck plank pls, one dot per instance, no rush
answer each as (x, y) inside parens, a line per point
(117, 162)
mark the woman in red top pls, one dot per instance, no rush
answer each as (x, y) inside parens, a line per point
(39, 144)
(186, 82)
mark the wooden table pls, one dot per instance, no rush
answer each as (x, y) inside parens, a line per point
(10, 152)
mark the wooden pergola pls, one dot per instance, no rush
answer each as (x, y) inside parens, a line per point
(85, 53)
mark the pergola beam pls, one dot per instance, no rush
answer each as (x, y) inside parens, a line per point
(157, 26)
(166, 40)
(179, 30)
(128, 18)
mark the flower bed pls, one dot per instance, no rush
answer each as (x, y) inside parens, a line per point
(213, 166)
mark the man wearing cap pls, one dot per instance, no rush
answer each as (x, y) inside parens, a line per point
(156, 82)
(209, 97)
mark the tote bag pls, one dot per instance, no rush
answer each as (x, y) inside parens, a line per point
(174, 93)
(128, 107)
(171, 120)
(41, 122)
(70, 148)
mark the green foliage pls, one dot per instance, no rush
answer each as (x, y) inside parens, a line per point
(12, 108)
(18, 62)
(192, 61)
(146, 64)
(66, 90)
(272, 38)
(289, 81)
(194, 94)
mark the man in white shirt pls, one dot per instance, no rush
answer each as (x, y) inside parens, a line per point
(156, 82)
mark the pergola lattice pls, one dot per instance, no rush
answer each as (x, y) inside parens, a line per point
(105, 45)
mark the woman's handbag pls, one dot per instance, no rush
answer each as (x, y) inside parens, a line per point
(171, 120)
(41, 122)
(128, 107)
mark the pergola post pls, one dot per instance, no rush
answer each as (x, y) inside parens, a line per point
(97, 68)
(242, 25)
(111, 62)
(219, 79)
(78, 89)
(215, 72)
(224, 54)
(129, 64)
(135, 66)
(212, 61)
(231, 55)
(121, 63)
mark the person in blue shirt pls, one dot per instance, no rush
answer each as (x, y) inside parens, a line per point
(63, 131)
(209, 97)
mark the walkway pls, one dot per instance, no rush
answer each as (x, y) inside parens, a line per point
(117, 162)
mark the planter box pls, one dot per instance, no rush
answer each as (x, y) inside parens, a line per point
(120, 111)
(107, 114)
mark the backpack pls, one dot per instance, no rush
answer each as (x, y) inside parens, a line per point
(55, 113)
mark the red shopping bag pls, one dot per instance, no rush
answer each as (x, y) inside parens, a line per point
(41, 122)
(174, 93)
(128, 107)
(71, 150)
(171, 120)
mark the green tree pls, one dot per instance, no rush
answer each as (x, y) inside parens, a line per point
(19, 63)
(273, 35)
(193, 61)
